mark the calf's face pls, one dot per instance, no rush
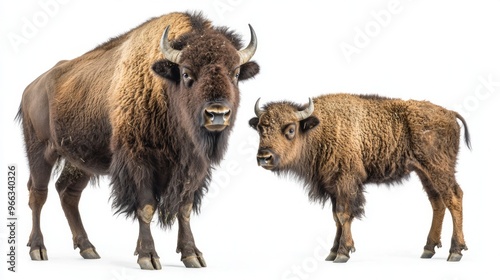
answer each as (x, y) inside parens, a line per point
(283, 128)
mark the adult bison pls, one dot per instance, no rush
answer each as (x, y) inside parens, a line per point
(154, 112)
(340, 142)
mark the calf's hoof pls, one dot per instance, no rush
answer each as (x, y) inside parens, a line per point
(194, 261)
(331, 256)
(427, 254)
(341, 258)
(149, 263)
(39, 255)
(90, 254)
(454, 257)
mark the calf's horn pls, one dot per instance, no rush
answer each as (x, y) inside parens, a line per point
(247, 53)
(170, 53)
(307, 112)
(258, 111)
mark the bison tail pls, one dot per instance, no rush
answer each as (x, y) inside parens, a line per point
(19, 115)
(466, 130)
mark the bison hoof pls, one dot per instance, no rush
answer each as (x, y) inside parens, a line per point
(331, 257)
(454, 257)
(39, 255)
(149, 263)
(90, 254)
(194, 261)
(427, 254)
(341, 258)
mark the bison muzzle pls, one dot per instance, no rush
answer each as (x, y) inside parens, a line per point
(338, 143)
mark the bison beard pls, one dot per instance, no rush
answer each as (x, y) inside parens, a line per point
(152, 111)
(340, 142)
(171, 193)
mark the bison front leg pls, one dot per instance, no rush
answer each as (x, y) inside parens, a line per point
(346, 205)
(336, 243)
(190, 255)
(345, 243)
(147, 256)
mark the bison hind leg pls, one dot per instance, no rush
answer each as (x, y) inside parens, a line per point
(443, 192)
(41, 159)
(70, 185)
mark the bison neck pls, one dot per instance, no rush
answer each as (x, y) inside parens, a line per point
(309, 169)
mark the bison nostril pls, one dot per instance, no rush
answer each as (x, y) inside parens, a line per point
(213, 113)
(209, 115)
(227, 114)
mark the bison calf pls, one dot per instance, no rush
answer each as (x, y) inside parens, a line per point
(340, 142)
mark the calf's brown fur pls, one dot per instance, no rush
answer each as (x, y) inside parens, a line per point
(348, 141)
(156, 126)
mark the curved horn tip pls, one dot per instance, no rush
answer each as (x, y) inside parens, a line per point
(257, 110)
(307, 112)
(311, 103)
(170, 53)
(247, 53)
(253, 36)
(310, 108)
(164, 37)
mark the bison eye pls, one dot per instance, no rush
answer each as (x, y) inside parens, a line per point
(289, 131)
(236, 74)
(188, 80)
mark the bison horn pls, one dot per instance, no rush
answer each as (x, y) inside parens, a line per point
(307, 112)
(247, 53)
(170, 53)
(258, 111)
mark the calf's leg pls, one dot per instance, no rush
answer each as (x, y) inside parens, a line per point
(347, 201)
(438, 211)
(434, 237)
(336, 243)
(70, 185)
(444, 192)
(346, 243)
(453, 201)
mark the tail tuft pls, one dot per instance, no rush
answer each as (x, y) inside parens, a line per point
(19, 115)
(466, 131)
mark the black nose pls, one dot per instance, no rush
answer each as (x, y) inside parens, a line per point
(216, 117)
(265, 158)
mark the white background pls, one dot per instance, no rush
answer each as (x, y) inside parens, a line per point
(255, 225)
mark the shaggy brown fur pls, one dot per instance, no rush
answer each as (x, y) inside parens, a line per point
(353, 140)
(123, 110)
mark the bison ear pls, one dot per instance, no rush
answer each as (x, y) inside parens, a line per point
(254, 122)
(248, 70)
(167, 70)
(308, 123)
